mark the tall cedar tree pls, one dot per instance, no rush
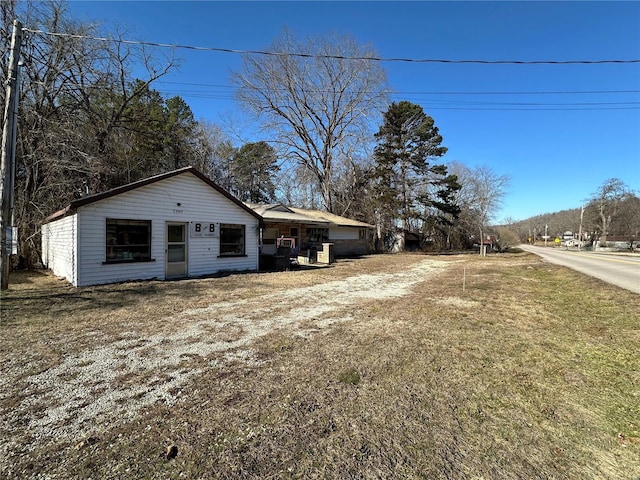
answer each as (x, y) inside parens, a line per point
(408, 141)
(180, 127)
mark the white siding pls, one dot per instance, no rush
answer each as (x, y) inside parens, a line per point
(182, 198)
(344, 233)
(59, 247)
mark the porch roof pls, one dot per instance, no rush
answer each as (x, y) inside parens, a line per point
(278, 213)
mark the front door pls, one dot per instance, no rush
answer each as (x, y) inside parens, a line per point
(176, 250)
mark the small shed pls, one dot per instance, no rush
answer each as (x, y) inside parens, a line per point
(402, 241)
(174, 225)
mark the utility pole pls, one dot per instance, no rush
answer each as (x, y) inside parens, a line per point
(7, 168)
(580, 230)
(546, 227)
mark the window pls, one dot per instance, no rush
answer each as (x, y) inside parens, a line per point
(293, 232)
(318, 234)
(269, 236)
(128, 240)
(363, 234)
(231, 239)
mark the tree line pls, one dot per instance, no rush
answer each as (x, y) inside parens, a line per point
(331, 138)
(612, 210)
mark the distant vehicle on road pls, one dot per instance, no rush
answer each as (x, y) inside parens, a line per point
(573, 243)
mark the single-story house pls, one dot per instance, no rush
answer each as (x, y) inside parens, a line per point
(174, 225)
(311, 229)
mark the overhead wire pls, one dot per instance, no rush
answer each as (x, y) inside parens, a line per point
(435, 105)
(337, 57)
(536, 92)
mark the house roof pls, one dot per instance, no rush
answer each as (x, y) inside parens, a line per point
(80, 202)
(278, 213)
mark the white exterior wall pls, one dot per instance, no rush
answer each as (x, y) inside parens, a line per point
(158, 202)
(59, 247)
(344, 233)
(346, 241)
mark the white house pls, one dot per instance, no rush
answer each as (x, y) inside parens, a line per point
(174, 225)
(312, 228)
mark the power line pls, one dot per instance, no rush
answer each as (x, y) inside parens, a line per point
(533, 104)
(568, 92)
(392, 92)
(531, 109)
(435, 106)
(438, 104)
(214, 96)
(337, 57)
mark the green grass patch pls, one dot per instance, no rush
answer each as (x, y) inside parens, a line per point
(350, 376)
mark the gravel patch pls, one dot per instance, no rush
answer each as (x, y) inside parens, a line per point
(90, 390)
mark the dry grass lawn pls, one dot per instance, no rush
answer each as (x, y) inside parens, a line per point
(380, 367)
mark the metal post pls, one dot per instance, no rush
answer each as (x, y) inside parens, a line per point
(7, 168)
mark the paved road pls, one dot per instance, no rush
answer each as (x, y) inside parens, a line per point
(620, 270)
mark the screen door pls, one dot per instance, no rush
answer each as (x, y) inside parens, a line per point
(176, 250)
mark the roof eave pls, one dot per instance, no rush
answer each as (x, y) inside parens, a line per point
(68, 210)
(80, 202)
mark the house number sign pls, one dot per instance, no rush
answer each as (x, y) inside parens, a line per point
(203, 229)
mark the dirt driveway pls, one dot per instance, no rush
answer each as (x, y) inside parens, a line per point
(98, 375)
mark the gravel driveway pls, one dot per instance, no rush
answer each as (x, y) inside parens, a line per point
(113, 381)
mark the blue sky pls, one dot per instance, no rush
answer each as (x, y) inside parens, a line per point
(556, 148)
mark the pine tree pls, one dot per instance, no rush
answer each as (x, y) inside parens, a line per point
(404, 177)
(253, 168)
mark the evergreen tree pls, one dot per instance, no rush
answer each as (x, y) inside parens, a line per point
(180, 129)
(141, 145)
(441, 209)
(252, 169)
(408, 141)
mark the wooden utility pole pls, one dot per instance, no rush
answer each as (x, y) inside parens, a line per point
(580, 230)
(7, 168)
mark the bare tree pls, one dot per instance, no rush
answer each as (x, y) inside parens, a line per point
(214, 153)
(507, 237)
(296, 187)
(628, 221)
(481, 195)
(352, 189)
(605, 202)
(317, 96)
(75, 95)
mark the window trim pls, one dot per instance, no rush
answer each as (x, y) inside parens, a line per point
(128, 262)
(243, 228)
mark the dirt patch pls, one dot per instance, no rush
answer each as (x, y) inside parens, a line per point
(86, 389)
